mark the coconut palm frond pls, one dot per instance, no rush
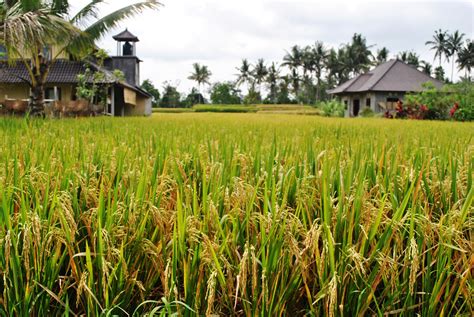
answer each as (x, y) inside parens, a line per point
(102, 26)
(89, 11)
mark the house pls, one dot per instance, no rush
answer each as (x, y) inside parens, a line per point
(381, 88)
(124, 97)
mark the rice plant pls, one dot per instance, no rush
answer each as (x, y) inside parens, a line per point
(236, 215)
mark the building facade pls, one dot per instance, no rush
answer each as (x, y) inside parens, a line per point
(124, 97)
(381, 88)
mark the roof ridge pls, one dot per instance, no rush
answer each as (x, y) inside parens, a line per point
(385, 73)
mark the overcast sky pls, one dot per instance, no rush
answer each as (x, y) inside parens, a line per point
(219, 33)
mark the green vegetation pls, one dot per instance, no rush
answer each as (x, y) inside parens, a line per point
(450, 102)
(224, 108)
(332, 108)
(30, 29)
(236, 215)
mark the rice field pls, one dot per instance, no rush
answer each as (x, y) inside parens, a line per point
(236, 215)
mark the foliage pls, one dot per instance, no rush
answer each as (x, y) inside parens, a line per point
(367, 112)
(220, 214)
(94, 85)
(30, 26)
(332, 108)
(148, 86)
(171, 97)
(193, 98)
(439, 102)
(253, 96)
(225, 93)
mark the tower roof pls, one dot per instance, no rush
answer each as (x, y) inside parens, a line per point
(125, 36)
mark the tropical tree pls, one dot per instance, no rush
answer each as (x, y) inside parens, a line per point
(26, 28)
(382, 56)
(201, 75)
(413, 59)
(439, 44)
(295, 80)
(454, 45)
(439, 73)
(171, 96)
(426, 67)
(319, 55)
(148, 86)
(54, 25)
(272, 79)
(337, 72)
(465, 58)
(293, 58)
(225, 93)
(260, 72)
(359, 55)
(245, 73)
(403, 56)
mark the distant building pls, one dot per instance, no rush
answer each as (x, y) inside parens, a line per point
(125, 98)
(381, 88)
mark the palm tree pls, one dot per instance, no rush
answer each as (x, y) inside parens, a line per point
(295, 80)
(201, 75)
(426, 68)
(75, 35)
(260, 71)
(465, 58)
(359, 54)
(439, 44)
(382, 55)
(403, 56)
(245, 73)
(272, 80)
(293, 59)
(413, 59)
(25, 29)
(454, 44)
(319, 56)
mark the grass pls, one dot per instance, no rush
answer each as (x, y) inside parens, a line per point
(172, 110)
(242, 214)
(225, 108)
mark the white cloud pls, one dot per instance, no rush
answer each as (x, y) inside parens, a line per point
(220, 33)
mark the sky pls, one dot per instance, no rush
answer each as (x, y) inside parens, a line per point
(220, 33)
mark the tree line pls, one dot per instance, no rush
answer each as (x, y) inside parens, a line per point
(306, 73)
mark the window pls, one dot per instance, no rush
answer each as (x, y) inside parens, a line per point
(3, 53)
(47, 52)
(368, 102)
(49, 94)
(392, 103)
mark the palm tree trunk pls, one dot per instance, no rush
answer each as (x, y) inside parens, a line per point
(452, 69)
(37, 88)
(37, 100)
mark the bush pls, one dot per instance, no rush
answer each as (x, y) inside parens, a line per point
(451, 101)
(367, 112)
(332, 108)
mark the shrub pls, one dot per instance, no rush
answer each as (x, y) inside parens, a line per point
(367, 112)
(332, 108)
(451, 101)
